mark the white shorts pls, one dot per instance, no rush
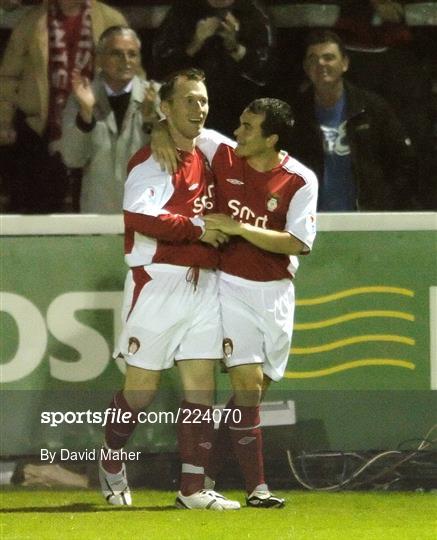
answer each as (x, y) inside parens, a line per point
(166, 317)
(257, 323)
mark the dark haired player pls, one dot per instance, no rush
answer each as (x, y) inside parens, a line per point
(266, 204)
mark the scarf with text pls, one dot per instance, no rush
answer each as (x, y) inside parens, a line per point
(70, 46)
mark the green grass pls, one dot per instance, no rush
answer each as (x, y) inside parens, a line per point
(74, 514)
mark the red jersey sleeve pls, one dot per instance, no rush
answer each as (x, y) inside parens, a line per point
(167, 227)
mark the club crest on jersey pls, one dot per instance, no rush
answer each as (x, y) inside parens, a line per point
(272, 202)
(134, 345)
(235, 181)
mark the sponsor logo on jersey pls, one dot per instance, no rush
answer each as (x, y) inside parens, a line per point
(204, 202)
(272, 202)
(246, 214)
(235, 181)
(134, 345)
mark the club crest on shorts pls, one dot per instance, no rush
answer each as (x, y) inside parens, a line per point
(228, 347)
(134, 345)
(272, 202)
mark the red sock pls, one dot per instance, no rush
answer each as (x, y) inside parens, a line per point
(117, 432)
(246, 438)
(195, 435)
(222, 448)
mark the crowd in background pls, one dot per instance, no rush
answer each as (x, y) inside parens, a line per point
(57, 94)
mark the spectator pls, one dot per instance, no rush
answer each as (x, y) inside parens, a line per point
(230, 40)
(351, 138)
(107, 121)
(35, 78)
(391, 59)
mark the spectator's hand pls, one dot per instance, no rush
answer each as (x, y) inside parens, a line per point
(214, 238)
(81, 89)
(164, 149)
(392, 12)
(205, 29)
(223, 223)
(8, 135)
(149, 103)
(228, 30)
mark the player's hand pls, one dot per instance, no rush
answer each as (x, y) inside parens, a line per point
(214, 238)
(8, 135)
(149, 103)
(164, 149)
(83, 92)
(222, 223)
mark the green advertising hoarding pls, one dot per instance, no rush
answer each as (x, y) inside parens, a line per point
(364, 328)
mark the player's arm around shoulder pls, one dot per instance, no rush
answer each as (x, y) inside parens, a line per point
(164, 148)
(210, 140)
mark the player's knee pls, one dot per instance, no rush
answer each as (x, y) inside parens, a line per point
(200, 396)
(247, 378)
(139, 399)
(247, 387)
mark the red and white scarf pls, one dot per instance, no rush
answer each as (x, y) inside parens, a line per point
(64, 56)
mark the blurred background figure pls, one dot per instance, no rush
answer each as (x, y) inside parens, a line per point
(105, 122)
(349, 137)
(9, 5)
(50, 42)
(394, 60)
(230, 40)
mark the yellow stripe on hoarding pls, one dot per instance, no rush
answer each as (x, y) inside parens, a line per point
(349, 365)
(352, 292)
(352, 341)
(352, 316)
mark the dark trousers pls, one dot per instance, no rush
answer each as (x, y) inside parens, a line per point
(34, 182)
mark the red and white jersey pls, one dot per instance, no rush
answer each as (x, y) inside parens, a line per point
(283, 199)
(162, 212)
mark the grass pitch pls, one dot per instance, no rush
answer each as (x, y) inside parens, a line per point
(82, 514)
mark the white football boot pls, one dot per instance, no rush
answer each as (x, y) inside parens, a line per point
(262, 498)
(209, 483)
(115, 488)
(206, 499)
